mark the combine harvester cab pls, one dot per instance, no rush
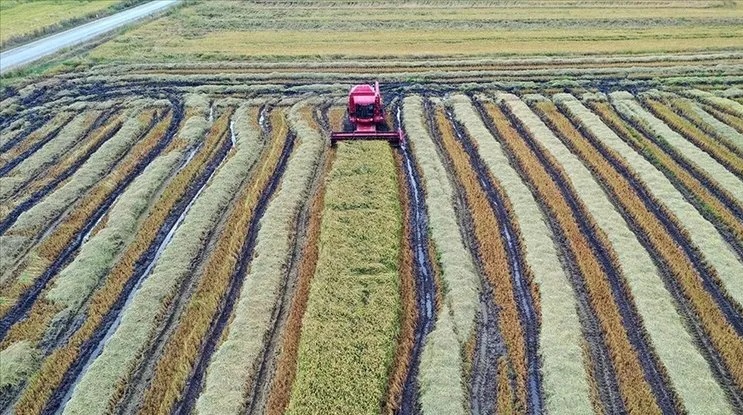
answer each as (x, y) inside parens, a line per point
(366, 116)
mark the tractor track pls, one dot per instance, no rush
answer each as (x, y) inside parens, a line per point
(603, 370)
(423, 272)
(521, 286)
(19, 310)
(652, 369)
(692, 321)
(489, 342)
(265, 365)
(10, 165)
(35, 122)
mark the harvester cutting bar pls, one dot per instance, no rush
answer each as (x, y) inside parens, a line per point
(394, 137)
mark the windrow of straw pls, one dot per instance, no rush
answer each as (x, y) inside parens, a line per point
(730, 120)
(701, 232)
(636, 392)
(56, 365)
(227, 383)
(349, 329)
(441, 368)
(725, 105)
(727, 135)
(286, 361)
(95, 260)
(695, 135)
(73, 223)
(492, 256)
(46, 156)
(632, 110)
(186, 342)
(32, 222)
(564, 377)
(109, 373)
(36, 138)
(97, 137)
(686, 368)
(701, 196)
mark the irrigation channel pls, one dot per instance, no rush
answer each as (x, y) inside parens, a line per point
(600, 356)
(21, 308)
(666, 399)
(523, 293)
(425, 288)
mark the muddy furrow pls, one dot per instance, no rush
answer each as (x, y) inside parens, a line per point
(709, 280)
(631, 321)
(37, 196)
(425, 287)
(93, 347)
(35, 122)
(603, 370)
(522, 291)
(194, 384)
(490, 345)
(19, 310)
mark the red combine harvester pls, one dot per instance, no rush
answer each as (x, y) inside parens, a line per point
(366, 114)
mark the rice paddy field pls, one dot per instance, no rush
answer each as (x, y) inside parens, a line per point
(559, 232)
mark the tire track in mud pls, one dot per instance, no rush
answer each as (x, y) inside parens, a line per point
(195, 382)
(19, 310)
(652, 370)
(93, 347)
(517, 262)
(34, 147)
(603, 371)
(261, 382)
(489, 342)
(35, 122)
(425, 287)
(38, 195)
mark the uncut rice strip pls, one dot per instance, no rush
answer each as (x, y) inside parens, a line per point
(121, 352)
(566, 386)
(702, 233)
(687, 369)
(730, 105)
(57, 202)
(47, 154)
(226, 381)
(440, 373)
(626, 104)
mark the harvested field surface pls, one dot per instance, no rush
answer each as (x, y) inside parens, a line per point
(556, 234)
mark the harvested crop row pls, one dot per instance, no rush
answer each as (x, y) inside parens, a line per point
(96, 258)
(636, 391)
(706, 122)
(31, 222)
(687, 370)
(702, 233)
(565, 382)
(351, 322)
(441, 368)
(226, 382)
(103, 380)
(51, 152)
(724, 105)
(707, 201)
(35, 140)
(223, 266)
(696, 136)
(491, 253)
(730, 120)
(286, 358)
(60, 239)
(34, 190)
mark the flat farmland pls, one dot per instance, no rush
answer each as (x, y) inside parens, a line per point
(558, 233)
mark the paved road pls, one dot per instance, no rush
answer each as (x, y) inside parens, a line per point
(22, 55)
